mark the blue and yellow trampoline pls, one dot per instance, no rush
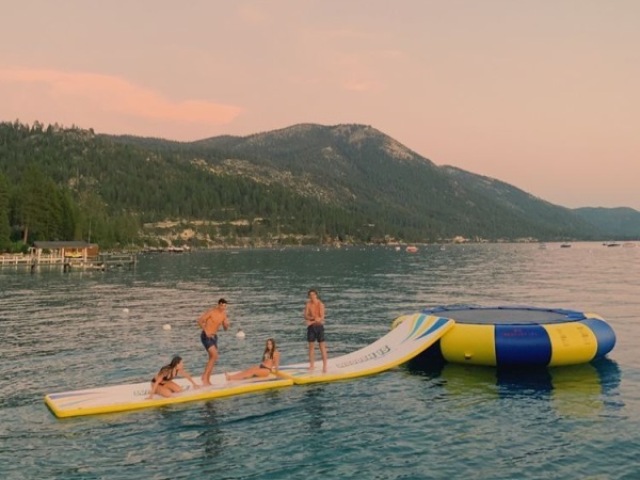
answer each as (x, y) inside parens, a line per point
(523, 336)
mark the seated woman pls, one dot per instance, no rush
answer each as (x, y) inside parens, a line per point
(163, 382)
(270, 362)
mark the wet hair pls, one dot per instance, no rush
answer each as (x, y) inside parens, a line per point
(313, 290)
(172, 364)
(168, 369)
(266, 348)
(221, 301)
(175, 361)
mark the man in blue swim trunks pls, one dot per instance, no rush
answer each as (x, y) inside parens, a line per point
(314, 319)
(210, 321)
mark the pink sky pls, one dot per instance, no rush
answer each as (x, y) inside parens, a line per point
(540, 94)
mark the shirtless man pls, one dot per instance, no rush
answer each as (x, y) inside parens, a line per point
(314, 319)
(210, 322)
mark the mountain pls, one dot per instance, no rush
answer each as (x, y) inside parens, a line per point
(621, 223)
(359, 166)
(308, 182)
(544, 216)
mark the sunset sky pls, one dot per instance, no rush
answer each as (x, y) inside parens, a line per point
(541, 94)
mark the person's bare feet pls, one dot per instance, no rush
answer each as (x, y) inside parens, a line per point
(205, 382)
(227, 376)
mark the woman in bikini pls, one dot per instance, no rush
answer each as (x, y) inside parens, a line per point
(269, 364)
(163, 383)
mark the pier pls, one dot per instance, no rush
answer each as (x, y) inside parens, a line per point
(103, 261)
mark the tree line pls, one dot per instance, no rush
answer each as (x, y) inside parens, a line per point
(70, 184)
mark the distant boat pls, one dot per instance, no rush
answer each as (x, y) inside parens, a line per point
(412, 249)
(611, 244)
(565, 245)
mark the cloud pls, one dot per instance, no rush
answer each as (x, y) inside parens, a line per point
(65, 92)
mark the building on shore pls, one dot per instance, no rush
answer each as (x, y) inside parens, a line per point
(66, 249)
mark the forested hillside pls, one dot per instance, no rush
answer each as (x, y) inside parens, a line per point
(303, 184)
(618, 223)
(539, 215)
(64, 184)
(361, 169)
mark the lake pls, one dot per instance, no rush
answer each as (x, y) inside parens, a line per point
(66, 331)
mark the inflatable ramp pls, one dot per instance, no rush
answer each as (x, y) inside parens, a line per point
(412, 335)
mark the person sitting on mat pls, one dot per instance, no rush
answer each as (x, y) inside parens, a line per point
(163, 383)
(269, 364)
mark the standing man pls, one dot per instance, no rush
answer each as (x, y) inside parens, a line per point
(314, 319)
(210, 322)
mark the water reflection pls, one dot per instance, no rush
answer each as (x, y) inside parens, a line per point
(535, 421)
(578, 390)
(313, 406)
(211, 436)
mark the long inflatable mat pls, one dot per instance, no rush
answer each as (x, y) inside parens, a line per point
(411, 336)
(120, 398)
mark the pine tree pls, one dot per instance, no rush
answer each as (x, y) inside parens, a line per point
(5, 227)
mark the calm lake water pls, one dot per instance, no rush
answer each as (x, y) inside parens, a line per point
(64, 331)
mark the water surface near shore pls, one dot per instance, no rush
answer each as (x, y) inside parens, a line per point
(74, 330)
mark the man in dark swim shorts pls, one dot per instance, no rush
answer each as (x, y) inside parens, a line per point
(210, 321)
(315, 333)
(209, 342)
(314, 319)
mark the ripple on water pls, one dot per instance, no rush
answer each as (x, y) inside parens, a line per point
(421, 420)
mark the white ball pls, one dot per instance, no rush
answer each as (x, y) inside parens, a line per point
(166, 326)
(240, 334)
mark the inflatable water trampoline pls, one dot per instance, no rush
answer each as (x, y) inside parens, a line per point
(521, 336)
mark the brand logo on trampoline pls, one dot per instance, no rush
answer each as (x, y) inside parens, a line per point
(381, 352)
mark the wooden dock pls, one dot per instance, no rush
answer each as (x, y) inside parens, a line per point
(104, 261)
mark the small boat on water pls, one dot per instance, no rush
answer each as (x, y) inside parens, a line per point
(412, 249)
(565, 245)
